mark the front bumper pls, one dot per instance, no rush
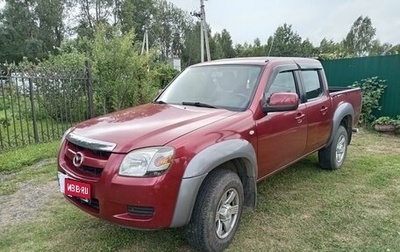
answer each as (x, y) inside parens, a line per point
(140, 203)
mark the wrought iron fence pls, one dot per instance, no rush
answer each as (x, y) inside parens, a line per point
(37, 107)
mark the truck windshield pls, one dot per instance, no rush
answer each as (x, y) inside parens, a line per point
(218, 86)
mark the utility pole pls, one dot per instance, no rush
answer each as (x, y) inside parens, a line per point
(145, 40)
(205, 29)
(203, 32)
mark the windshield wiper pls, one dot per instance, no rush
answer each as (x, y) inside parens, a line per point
(198, 104)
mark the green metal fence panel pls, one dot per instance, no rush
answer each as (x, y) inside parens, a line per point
(344, 72)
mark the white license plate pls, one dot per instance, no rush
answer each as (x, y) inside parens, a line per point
(61, 181)
(72, 187)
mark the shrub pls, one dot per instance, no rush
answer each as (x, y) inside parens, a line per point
(122, 77)
(372, 90)
(164, 74)
(385, 120)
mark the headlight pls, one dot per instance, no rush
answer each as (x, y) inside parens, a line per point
(147, 162)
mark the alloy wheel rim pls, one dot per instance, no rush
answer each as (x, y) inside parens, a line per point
(227, 213)
(340, 149)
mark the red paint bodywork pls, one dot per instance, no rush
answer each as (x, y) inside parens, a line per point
(280, 139)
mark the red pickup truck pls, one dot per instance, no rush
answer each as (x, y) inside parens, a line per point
(193, 156)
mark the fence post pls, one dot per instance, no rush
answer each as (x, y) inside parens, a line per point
(35, 131)
(89, 88)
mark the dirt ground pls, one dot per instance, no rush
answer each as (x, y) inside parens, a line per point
(25, 203)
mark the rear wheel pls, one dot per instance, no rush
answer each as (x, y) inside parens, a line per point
(216, 214)
(332, 157)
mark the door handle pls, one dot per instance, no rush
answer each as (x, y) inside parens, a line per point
(324, 110)
(300, 117)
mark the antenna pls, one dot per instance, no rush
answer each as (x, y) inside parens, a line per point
(272, 44)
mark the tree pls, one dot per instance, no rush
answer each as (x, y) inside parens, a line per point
(191, 45)
(328, 49)
(168, 28)
(31, 28)
(394, 50)
(224, 40)
(49, 14)
(359, 39)
(285, 42)
(92, 13)
(307, 49)
(329, 46)
(18, 25)
(251, 50)
(137, 15)
(258, 49)
(10, 48)
(379, 49)
(216, 49)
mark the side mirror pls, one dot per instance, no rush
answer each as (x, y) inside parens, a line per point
(281, 102)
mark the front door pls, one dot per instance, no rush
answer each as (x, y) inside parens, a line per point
(282, 136)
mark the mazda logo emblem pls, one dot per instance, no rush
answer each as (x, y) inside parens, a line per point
(78, 159)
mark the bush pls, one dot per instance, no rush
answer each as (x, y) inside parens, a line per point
(165, 73)
(122, 77)
(372, 90)
(385, 120)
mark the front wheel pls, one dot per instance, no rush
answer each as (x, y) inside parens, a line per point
(332, 157)
(216, 214)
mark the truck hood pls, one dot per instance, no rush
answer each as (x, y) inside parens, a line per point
(147, 125)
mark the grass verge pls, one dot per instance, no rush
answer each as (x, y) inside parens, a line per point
(15, 160)
(302, 208)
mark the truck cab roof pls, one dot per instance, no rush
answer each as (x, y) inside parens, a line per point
(301, 62)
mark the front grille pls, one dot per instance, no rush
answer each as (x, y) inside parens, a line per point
(140, 211)
(90, 171)
(93, 162)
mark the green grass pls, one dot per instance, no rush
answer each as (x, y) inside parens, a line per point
(15, 160)
(303, 208)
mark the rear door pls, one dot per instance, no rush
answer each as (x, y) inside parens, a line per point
(318, 108)
(282, 135)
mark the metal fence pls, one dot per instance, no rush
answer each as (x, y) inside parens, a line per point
(344, 72)
(35, 107)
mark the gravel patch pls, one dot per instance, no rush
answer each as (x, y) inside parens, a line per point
(25, 204)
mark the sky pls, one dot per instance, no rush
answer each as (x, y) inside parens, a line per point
(312, 19)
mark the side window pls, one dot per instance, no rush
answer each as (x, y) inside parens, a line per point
(284, 82)
(312, 84)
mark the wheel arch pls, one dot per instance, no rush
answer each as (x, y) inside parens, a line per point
(237, 155)
(343, 115)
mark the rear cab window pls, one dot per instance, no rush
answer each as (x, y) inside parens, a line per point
(312, 84)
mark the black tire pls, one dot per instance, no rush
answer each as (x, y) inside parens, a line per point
(208, 230)
(332, 157)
